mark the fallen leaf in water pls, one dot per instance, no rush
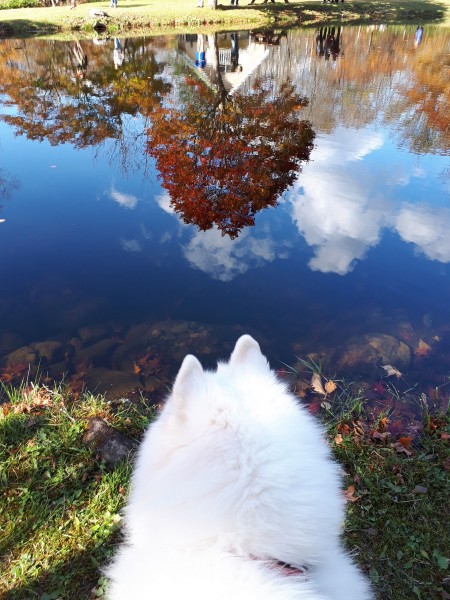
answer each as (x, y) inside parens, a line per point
(390, 370)
(422, 349)
(316, 384)
(349, 494)
(330, 387)
(136, 369)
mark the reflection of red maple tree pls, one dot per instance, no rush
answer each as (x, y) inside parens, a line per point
(222, 159)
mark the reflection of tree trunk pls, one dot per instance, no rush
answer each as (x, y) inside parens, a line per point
(218, 81)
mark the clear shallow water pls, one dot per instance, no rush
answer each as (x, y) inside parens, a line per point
(351, 213)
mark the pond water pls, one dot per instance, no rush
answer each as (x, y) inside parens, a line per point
(162, 195)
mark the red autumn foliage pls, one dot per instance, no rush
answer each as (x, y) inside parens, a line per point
(222, 159)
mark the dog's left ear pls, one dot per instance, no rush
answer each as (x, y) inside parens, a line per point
(247, 351)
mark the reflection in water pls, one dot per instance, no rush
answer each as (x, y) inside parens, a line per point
(223, 158)
(129, 143)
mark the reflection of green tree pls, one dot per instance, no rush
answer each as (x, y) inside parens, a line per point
(222, 159)
(57, 101)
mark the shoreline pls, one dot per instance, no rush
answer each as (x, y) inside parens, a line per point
(184, 15)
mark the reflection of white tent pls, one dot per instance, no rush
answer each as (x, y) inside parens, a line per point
(249, 59)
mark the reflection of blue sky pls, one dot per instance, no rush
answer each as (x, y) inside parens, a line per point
(356, 187)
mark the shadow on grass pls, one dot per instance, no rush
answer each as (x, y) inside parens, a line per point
(73, 579)
(348, 12)
(24, 28)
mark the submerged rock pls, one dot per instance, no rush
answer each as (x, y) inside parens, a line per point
(49, 351)
(25, 355)
(113, 384)
(365, 354)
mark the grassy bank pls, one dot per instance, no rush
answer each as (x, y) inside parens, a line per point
(157, 17)
(60, 501)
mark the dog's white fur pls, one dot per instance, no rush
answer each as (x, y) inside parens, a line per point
(232, 477)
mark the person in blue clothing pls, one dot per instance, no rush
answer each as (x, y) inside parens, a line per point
(418, 36)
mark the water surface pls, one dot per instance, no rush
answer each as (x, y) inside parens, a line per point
(294, 185)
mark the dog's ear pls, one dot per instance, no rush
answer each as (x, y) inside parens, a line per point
(247, 351)
(188, 380)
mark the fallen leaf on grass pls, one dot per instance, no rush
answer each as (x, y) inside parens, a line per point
(338, 439)
(376, 435)
(343, 428)
(400, 448)
(390, 370)
(349, 494)
(405, 441)
(420, 489)
(316, 384)
(445, 436)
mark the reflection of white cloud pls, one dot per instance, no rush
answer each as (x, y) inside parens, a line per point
(125, 200)
(131, 245)
(428, 230)
(163, 200)
(224, 259)
(337, 213)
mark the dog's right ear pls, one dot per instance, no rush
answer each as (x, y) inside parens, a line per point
(189, 379)
(247, 352)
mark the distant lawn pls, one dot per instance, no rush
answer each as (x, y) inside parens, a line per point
(157, 15)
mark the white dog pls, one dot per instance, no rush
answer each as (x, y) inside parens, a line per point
(234, 495)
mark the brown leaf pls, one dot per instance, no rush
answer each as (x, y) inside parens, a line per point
(343, 428)
(349, 494)
(376, 435)
(390, 370)
(136, 368)
(338, 439)
(422, 348)
(405, 441)
(316, 384)
(330, 387)
(445, 436)
(400, 448)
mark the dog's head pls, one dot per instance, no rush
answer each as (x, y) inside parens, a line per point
(232, 455)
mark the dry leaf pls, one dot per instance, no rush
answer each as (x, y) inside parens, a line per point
(445, 436)
(422, 349)
(390, 370)
(405, 441)
(400, 448)
(136, 369)
(316, 384)
(420, 489)
(343, 428)
(338, 439)
(349, 494)
(330, 387)
(376, 435)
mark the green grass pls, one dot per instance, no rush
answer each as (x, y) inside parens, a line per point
(155, 16)
(60, 505)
